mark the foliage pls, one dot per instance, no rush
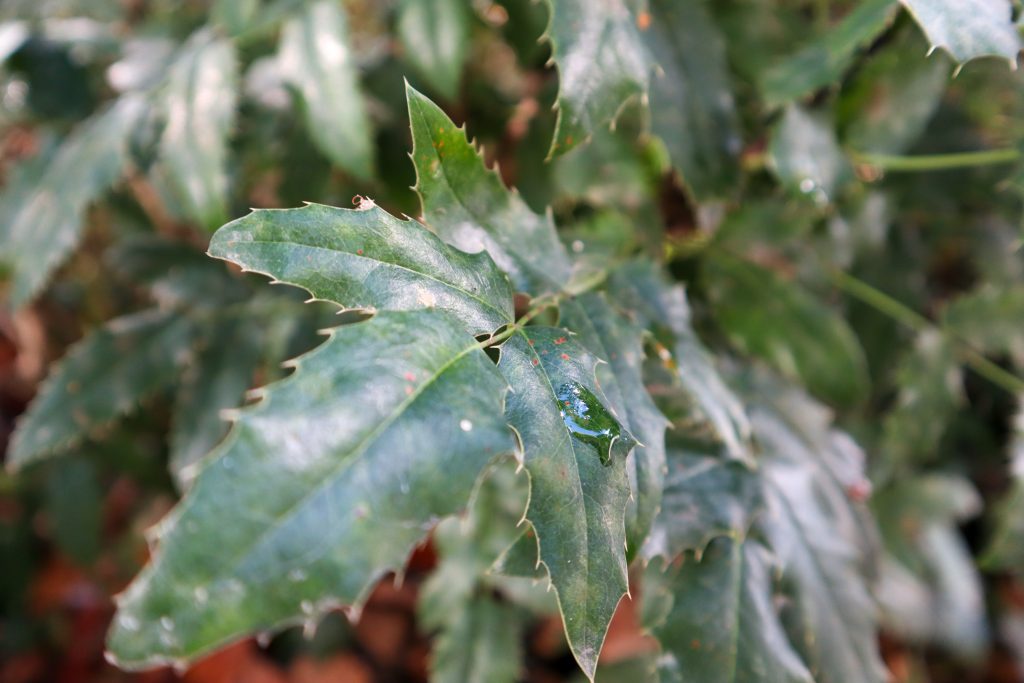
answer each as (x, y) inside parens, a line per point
(742, 353)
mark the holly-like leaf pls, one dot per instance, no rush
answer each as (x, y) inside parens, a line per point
(602, 63)
(469, 207)
(613, 338)
(575, 451)
(315, 58)
(968, 29)
(103, 377)
(706, 496)
(806, 157)
(825, 59)
(368, 259)
(199, 105)
(692, 106)
(772, 318)
(435, 36)
(45, 224)
(215, 381)
(317, 491)
(716, 618)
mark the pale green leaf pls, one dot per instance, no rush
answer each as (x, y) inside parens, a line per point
(199, 105)
(45, 225)
(806, 157)
(435, 35)
(368, 259)
(968, 29)
(320, 488)
(691, 100)
(825, 59)
(602, 63)
(315, 58)
(103, 377)
(717, 620)
(469, 207)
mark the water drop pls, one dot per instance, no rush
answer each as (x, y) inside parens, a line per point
(465, 425)
(806, 185)
(589, 421)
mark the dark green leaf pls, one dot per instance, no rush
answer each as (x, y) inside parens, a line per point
(1006, 547)
(74, 505)
(989, 320)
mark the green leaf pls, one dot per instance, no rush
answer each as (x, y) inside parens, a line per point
(74, 505)
(1006, 547)
(344, 487)
(45, 227)
(103, 377)
(602, 63)
(968, 29)
(988, 319)
(717, 620)
(435, 35)
(774, 319)
(825, 59)
(706, 496)
(806, 156)
(315, 58)
(199, 104)
(215, 381)
(483, 642)
(691, 100)
(610, 336)
(368, 259)
(575, 452)
(711, 407)
(469, 207)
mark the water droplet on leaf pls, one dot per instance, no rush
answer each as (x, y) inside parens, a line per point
(589, 421)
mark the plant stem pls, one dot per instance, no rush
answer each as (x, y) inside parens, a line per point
(937, 162)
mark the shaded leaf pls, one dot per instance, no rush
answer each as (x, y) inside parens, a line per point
(315, 58)
(74, 506)
(602, 63)
(45, 226)
(825, 59)
(435, 35)
(691, 101)
(101, 378)
(968, 29)
(988, 319)
(806, 156)
(717, 620)
(1006, 547)
(344, 487)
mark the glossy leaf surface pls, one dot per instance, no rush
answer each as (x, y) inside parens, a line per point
(968, 29)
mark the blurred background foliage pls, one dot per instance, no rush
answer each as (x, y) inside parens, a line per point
(792, 170)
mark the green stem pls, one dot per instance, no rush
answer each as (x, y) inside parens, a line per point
(937, 162)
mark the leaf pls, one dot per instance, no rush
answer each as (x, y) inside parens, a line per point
(1006, 546)
(315, 58)
(613, 338)
(806, 156)
(470, 208)
(215, 381)
(74, 505)
(435, 35)
(483, 643)
(602, 63)
(367, 259)
(825, 59)
(199, 103)
(691, 100)
(344, 486)
(717, 618)
(968, 29)
(45, 227)
(988, 320)
(575, 452)
(771, 318)
(101, 378)
(706, 496)
(643, 291)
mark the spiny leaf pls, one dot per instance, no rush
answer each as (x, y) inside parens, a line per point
(824, 60)
(199, 103)
(435, 35)
(45, 226)
(317, 491)
(692, 107)
(368, 259)
(613, 338)
(103, 377)
(716, 618)
(315, 59)
(575, 452)
(602, 63)
(469, 207)
(968, 29)
(774, 319)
